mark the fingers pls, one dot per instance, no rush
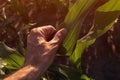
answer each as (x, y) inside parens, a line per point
(42, 33)
(59, 36)
(47, 31)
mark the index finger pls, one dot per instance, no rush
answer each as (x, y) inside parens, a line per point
(44, 32)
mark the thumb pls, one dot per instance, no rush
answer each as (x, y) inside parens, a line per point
(59, 36)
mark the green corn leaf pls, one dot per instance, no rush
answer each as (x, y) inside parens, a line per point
(73, 22)
(66, 72)
(13, 59)
(85, 77)
(104, 19)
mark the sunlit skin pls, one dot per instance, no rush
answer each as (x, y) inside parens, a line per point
(40, 52)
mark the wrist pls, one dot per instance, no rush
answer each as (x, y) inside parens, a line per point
(39, 69)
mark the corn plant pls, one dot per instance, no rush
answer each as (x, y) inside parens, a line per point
(105, 16)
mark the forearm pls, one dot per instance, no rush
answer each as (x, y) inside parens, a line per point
(26, 73)
(32, 70)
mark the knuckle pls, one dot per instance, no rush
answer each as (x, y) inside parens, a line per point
(54, 44)
(42, 43)
(46, 46)
(36, 30)
(33, 30)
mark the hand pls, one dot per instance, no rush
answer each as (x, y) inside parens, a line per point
(40, 50)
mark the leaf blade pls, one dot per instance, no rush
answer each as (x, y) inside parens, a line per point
(104, 19)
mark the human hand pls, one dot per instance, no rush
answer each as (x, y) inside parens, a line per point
(40, 50)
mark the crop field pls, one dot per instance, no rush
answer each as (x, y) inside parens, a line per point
(91, 49)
